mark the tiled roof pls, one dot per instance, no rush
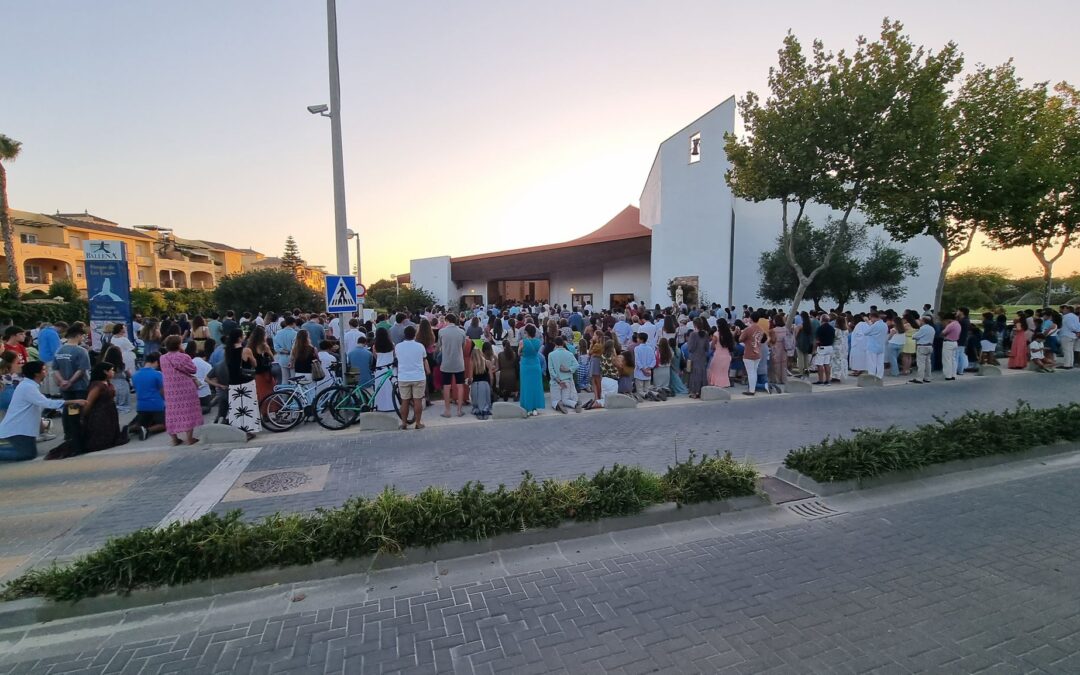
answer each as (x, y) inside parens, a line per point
(100, 227)
(626, 225)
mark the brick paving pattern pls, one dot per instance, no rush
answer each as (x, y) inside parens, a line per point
(984, 580)
(762, 430)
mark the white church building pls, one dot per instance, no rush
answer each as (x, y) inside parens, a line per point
(689, 228)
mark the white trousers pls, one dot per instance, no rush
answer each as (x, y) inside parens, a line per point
(751, 373)
(608, 387)
(875, 365)
(566, 395)
(1068, 345)
(948, 358)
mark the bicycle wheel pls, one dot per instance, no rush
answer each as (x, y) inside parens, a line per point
(336, 408)
(282, 411)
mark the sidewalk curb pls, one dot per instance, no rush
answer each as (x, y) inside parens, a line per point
(956, 466)
(30, 611)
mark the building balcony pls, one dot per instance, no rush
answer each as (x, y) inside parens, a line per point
(144, 261)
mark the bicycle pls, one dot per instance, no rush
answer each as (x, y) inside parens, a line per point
(340, 406)
(289, 405)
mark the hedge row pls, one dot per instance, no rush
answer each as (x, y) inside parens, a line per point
(872, 452)
(215, 546)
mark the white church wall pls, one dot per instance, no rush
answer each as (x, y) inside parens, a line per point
(757, 226)
(590, 280)
(627, 275)
(471, 287)
(690, 210)
(433, 274)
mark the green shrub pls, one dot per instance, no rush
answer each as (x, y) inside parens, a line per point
(215, 545)
(716, 477)
(873, 452)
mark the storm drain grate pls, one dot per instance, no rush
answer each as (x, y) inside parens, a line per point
(812, 509)
(278, 482)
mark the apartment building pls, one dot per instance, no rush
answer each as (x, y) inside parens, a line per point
(50, 247)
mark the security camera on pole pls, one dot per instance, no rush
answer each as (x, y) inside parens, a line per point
(334, 113)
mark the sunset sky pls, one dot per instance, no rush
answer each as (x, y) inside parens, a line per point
(469, 126)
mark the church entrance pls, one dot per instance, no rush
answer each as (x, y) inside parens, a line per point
(518, 290)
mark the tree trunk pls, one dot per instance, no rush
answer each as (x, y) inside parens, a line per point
(947, 260)
(8, 233)
(946, 263)
(1048, 273)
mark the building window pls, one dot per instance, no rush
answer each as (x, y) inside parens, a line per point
(581, 300)
(28, 238)
(142, 275)
(141, 249)
(75, 242)
(619, 301)
(34, 274)
(695, 148)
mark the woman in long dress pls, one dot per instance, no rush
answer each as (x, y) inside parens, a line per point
(858, 359)
(720, 366)
(508, 372)
(183, 411)
(532, 387)
(99, 417)
(840, 350)
(1019, 354)
(697, 344)
(243, 404)
(384, 361)
(779, 336)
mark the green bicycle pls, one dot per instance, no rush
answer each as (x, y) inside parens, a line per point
(340, 406)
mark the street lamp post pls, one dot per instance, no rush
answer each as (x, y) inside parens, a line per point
(397, 287)
(340, 221)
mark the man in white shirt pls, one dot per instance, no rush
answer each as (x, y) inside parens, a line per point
(412, 376)
(876, 337)
(352, 336)
(21, 425)
(924, 350)
(1070, 331)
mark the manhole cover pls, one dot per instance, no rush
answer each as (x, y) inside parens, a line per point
(812, 509)
(278, 482)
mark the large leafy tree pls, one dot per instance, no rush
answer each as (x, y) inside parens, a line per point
(264, 290)
(968, 175)
(830, 129)
(857, 269)
(9, 150)
(1044, 212)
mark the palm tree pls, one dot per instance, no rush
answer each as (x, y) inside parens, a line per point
(9, 150)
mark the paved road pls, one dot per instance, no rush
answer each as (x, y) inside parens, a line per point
(982, 580)
(762, 429)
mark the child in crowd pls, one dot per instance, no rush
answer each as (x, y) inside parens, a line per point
(1044, 363)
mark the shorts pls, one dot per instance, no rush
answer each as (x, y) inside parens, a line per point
(823, 356)
(412, 390)
(449, 379)
(987, 346)
(149, 419)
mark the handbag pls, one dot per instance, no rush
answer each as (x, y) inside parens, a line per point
(317, 371)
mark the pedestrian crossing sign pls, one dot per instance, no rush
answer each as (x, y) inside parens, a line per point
(340, 294)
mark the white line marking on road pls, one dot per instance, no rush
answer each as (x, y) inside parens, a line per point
(211, 488)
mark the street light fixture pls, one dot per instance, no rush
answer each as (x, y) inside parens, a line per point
(352, 234)
(321, 109)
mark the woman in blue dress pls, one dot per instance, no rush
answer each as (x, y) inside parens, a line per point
(532, 387)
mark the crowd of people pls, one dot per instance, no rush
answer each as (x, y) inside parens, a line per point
(175, 370)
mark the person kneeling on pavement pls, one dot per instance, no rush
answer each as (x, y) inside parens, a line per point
(562, 366)
(149, 398)
(20, 427)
